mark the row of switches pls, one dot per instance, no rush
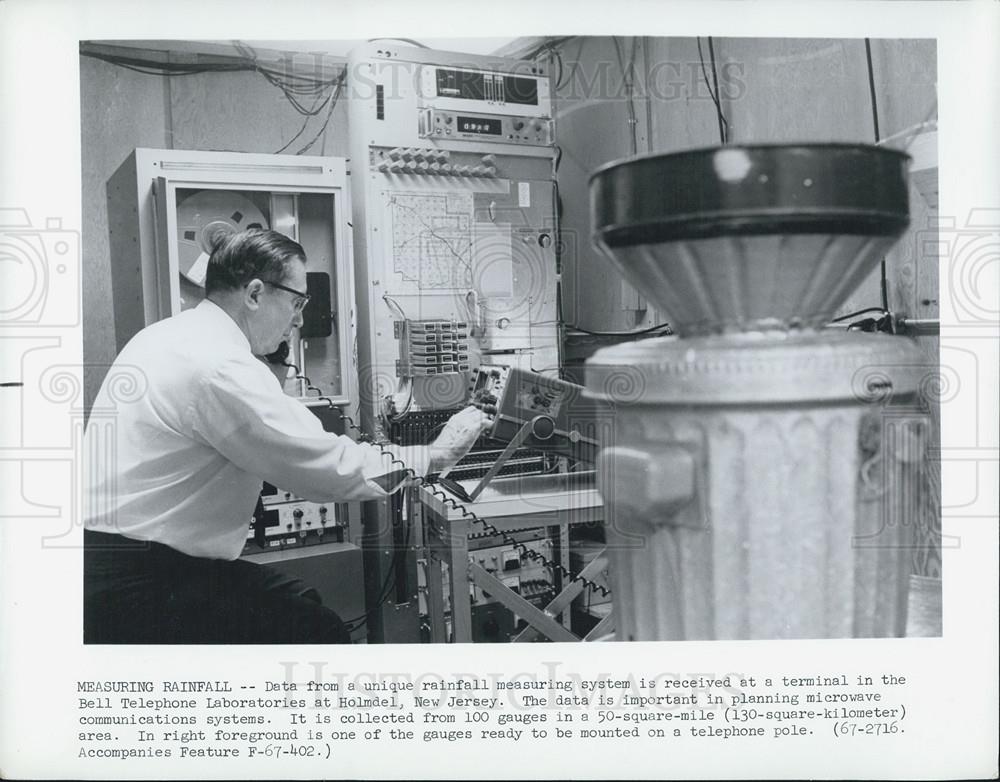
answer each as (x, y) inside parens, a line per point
(433, 162)
(415, 155)
(435, 169)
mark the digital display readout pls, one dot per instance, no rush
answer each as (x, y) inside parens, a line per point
(487, 126)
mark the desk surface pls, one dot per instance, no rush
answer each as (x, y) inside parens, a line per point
(524, 495)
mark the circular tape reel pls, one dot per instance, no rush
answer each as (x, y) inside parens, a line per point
(204, 218)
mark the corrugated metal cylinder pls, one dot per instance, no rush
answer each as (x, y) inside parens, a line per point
(733, 511)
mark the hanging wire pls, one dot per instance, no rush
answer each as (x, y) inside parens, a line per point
(309, 96)
(874, 101)
(329, 115)
(394, 306)
(714, 94)
(855, 314)
(627, 71)
(572, 71)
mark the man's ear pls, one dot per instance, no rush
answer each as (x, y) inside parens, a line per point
(252, 293)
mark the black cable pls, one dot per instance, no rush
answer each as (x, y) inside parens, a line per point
(855, 314)
(626, 71)
(704, 72)
(151, 71)
(158, 68)
(305, 124)
(291, 85)
(335, 96)
(319, 102)
(723, 126)
(871, 87)
(883, 324)
(550, 48)
(559, 64)
(633, 117)
(572, 71)
(720, 115)
(296, 83)
(558, 247)
(293, 82)
(658, 327)
(291, 141)
(878, 136)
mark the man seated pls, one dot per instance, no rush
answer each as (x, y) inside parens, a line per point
(169, 499)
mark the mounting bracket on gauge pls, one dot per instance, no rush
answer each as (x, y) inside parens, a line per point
(541, 427)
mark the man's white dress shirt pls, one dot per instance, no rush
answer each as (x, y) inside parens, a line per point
(183, 463)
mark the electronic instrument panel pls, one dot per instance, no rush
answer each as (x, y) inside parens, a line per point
(560, 417)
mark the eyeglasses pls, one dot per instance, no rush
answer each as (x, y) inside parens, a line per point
(300, 302)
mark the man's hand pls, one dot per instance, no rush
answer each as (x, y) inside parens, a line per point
(458, 436)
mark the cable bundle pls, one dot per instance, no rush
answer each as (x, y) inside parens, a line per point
(308, 95)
